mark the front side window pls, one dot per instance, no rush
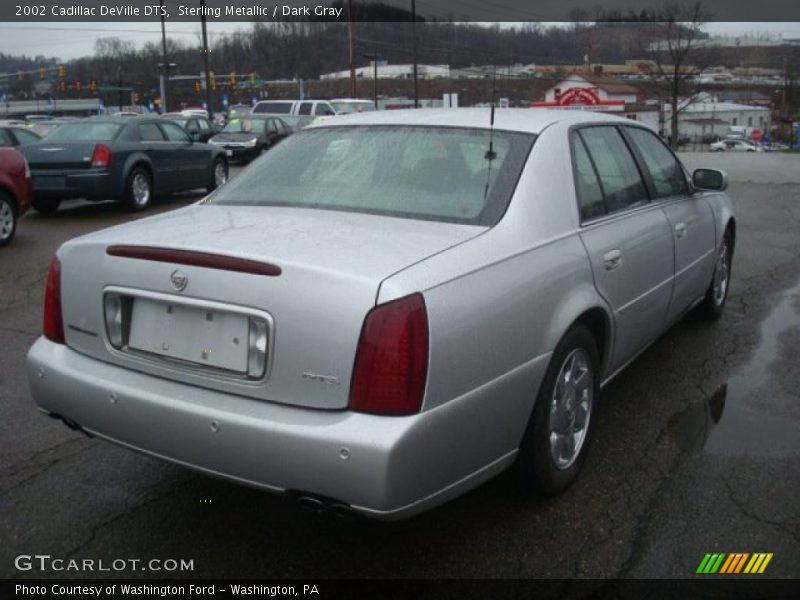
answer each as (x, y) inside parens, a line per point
(5, 138)
(175, 133)
(616, 169)
(304, 109)
(323, 110)
(432, 173)
(665, 170)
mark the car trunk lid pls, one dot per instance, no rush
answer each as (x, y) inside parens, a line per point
(322, 273)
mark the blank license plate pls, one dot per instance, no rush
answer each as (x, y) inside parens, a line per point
(44, 183)
(229, 152)
(202, 336)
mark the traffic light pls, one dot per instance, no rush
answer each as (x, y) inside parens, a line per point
(42, 73)
(93, 85)
(20, 76)
(197, 86)
(233, 78)
(61, 71)
(213, 80)
(252, 78)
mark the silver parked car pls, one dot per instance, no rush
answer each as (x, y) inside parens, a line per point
(389, 308)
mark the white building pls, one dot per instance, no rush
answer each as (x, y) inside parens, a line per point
(387, 71)
(703, 118)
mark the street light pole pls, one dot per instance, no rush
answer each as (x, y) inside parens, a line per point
(205, 58)
(165, 73)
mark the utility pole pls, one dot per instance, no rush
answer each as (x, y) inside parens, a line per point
(374, 58)
(119, 72)
(785, 85)
(352, 43)
(165, 73)
(413, 50)
(205, 58)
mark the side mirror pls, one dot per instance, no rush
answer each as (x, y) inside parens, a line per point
(710, 179)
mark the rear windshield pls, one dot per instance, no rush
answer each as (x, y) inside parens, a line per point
(277, 108)
(244, 126)
(104, 132)
(346, 108)
(432, 173)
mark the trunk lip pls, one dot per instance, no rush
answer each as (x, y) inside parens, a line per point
(194, 258)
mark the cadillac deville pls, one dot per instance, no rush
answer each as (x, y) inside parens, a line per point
(389, 308)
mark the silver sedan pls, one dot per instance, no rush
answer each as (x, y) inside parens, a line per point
(388, 308)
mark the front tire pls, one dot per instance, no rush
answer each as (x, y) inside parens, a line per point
(138, 189)
(557, 437)
(219, 175)
(8, 219)
(717, 294)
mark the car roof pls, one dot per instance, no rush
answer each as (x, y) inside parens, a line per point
(528, 120)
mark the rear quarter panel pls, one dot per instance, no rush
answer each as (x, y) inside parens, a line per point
(499, 303)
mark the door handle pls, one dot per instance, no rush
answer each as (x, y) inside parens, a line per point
(612, 259)
(680, 230)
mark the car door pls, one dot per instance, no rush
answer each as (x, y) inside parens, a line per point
(689, 216)
(160, 152)
(192, 159)
(627, 238)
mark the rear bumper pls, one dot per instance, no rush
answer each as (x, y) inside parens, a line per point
(383, 467)
(92, 185)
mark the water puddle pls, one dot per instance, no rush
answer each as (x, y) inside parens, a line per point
(757, 412)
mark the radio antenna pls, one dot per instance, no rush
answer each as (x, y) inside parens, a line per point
(490, 153)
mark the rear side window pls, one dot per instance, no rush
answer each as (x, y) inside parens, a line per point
(149, 132)
(26, 137)
(616, 169)
(275, 108)
(665, 170)
(587, 185)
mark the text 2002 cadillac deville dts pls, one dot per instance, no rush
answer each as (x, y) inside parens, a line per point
(389, 308)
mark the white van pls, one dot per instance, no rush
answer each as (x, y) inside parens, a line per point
(311, 108)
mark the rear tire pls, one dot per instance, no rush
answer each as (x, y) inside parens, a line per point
(46, 207)
(138, 189)
(714, 303)
(8, 219)
(557, 438)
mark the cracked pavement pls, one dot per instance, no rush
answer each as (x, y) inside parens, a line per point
(696, 449)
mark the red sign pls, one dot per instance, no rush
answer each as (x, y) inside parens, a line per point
(578, 96)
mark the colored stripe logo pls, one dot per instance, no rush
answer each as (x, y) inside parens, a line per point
(734, 563)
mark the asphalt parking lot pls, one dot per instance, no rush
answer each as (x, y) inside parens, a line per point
(696, 448)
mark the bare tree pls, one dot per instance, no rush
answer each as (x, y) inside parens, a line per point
(674, 44)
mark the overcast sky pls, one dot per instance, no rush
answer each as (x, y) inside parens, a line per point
(67, 40)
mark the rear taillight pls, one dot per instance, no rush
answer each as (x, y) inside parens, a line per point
(391, 363)
(101, 157)
(53, 322)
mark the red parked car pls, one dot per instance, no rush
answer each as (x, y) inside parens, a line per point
(16, 191)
